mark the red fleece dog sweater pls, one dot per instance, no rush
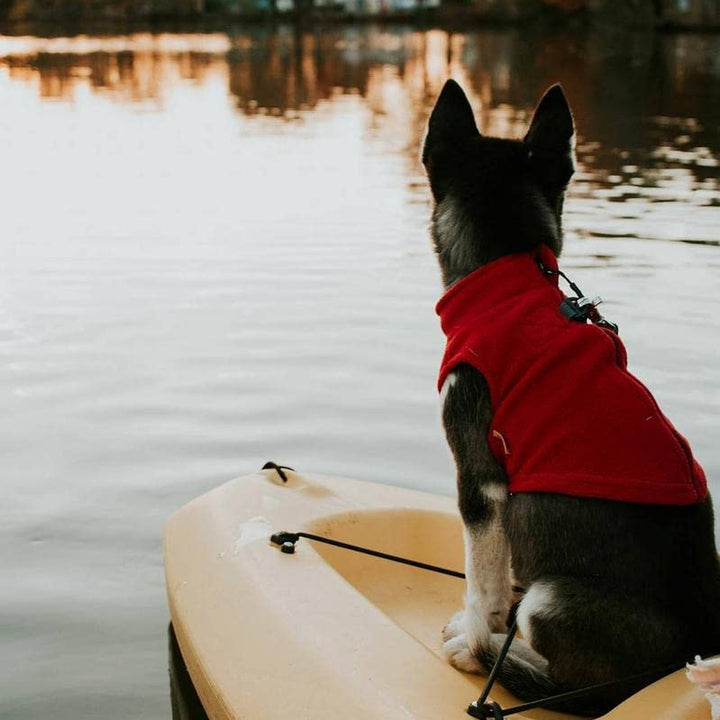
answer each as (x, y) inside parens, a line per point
(567, 415)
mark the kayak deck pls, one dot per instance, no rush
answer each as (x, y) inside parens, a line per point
(326, 632)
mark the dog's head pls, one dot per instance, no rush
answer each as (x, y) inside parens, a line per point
(492, 196)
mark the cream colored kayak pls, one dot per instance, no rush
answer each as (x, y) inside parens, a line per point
(326, 633)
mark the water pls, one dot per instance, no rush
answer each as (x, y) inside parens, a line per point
(214, 252)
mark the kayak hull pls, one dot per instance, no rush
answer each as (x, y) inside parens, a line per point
(326, 632)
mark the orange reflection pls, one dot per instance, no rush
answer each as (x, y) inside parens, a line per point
(659, 87)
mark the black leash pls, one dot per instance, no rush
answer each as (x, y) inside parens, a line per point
(480, 708)
(287, 540)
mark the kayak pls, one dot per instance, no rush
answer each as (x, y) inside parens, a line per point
(312, 631)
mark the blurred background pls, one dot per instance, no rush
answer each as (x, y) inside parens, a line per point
(214, 252)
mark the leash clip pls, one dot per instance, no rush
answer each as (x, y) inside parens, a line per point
(581, 309)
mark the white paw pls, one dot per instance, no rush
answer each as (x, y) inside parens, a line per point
(497, 619)
(490, 610)
(469, 631)
(455, 626)
(492, 605)
(459, 656)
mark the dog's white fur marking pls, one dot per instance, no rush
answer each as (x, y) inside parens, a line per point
(450, 380)
(453, 231)
(544, 210)
(495, 492)
(487, 569)
(539, 601)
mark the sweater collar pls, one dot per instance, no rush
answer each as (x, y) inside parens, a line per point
(504, 279)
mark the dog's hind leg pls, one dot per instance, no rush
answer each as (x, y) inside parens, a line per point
(482, 493)
(523, 672)
(577, 634)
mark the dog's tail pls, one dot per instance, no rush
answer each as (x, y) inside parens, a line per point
(525, 674)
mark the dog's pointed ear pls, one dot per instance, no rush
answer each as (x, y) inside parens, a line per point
(552, 128)
(551, 137)
(451, 121)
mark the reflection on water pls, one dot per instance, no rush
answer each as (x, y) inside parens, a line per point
(214, 252)
(647, 107)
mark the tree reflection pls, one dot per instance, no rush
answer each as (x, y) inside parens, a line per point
(646, 102)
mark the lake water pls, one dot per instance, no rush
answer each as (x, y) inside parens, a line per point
(214, 252)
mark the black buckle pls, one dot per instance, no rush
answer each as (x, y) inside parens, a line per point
(285, 541)
(485, 711)
(581, 309)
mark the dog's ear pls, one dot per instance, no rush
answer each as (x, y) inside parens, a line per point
(551, 139)
(451, 120)
(451, 125)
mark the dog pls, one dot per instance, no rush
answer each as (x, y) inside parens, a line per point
(603, 515)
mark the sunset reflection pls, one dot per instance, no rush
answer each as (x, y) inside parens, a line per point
(669, 94)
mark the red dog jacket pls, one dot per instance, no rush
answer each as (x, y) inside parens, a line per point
(567, 415)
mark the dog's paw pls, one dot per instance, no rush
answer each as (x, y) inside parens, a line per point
(497, 619)
(455, 626)
(489, 613)
(459, 655)
(466, 629)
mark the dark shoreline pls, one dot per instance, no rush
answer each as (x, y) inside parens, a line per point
(71, 28)
(451, 17)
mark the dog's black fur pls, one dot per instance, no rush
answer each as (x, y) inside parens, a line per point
(633, 587)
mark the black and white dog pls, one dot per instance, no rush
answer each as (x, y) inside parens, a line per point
(613, 588)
